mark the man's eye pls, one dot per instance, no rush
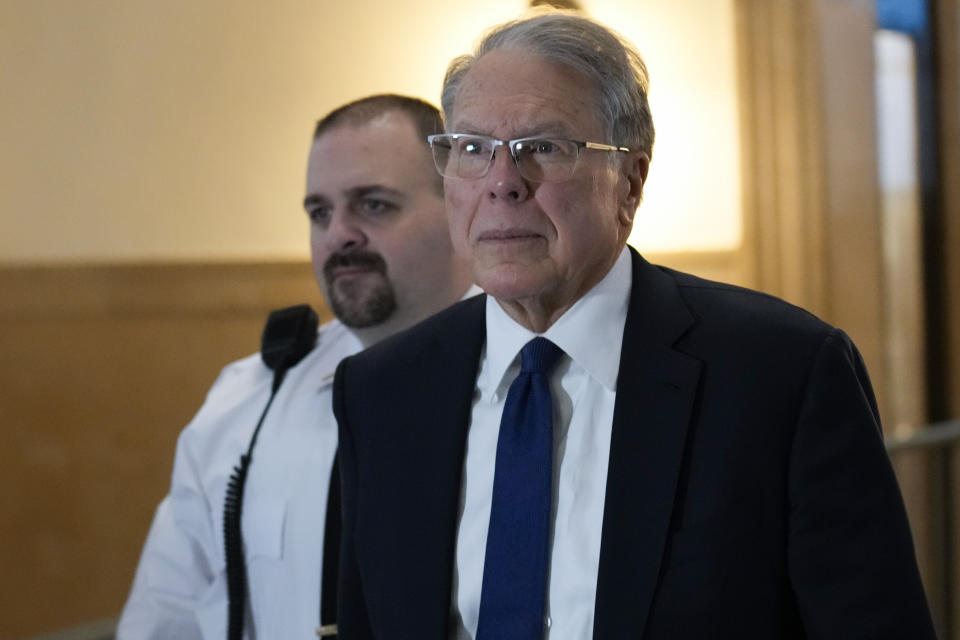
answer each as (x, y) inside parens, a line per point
(544, 146)
(472, 147)
(318, 215)
(374, 205)
(541, 147)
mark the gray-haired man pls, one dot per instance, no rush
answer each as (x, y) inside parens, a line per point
(709, 463)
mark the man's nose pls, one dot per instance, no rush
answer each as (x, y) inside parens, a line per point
(504, 181)
(344, 232)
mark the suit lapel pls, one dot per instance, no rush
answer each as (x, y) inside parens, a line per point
(656, 389)
(445, 374)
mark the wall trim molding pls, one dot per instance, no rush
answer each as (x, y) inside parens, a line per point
(150, 288)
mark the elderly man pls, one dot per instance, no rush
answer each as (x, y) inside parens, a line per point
(600, 447)
(383, 259)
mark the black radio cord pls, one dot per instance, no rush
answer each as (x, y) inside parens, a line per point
(232, 532)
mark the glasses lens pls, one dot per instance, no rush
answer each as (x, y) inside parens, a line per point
(459, 156)
(473, 156)
(545, 159)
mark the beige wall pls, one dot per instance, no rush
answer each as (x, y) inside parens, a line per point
(177, 130)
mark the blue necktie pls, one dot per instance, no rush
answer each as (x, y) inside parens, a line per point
(513, 597)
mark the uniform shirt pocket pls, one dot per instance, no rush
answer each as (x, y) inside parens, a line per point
(263, 529)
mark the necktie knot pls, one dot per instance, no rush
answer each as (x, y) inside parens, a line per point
(539, 356)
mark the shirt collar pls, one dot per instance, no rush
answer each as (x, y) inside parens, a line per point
(334, 343)
(590, 332)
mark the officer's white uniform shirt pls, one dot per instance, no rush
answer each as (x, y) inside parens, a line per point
(180, 589)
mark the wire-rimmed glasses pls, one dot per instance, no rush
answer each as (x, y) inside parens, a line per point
(463, 155)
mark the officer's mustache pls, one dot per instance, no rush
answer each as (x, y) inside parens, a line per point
(363, 259)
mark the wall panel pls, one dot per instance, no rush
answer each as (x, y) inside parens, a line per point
(101, 367)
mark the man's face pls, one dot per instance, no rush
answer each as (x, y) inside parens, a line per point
(379, 241)
(544, 244)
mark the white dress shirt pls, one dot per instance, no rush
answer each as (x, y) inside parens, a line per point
(584, 391)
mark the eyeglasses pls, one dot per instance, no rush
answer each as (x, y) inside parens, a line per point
(461, 155)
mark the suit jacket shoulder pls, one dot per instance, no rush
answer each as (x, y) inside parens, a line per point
(450, 329)
(738, 311)
(403, 409)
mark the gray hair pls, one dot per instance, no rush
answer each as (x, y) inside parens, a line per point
(600, 54)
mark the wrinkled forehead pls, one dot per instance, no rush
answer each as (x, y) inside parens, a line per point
(514, 92)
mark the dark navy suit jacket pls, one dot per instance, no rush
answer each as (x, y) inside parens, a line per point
(748, 495)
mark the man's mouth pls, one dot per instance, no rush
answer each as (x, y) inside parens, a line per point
(349, 271)
(509, 235)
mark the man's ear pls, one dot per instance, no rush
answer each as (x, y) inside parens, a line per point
(636, 165)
